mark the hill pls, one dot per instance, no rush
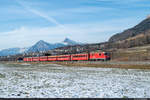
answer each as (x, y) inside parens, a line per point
(141, 28)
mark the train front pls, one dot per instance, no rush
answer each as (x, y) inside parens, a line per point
(106, 56)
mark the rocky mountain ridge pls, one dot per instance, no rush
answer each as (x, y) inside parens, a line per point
(40, 46)
(142, 28)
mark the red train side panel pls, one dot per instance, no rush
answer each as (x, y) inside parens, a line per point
(30, 59)
(52, 58)
(99, 56)
(27, 59)
(64, 58)
(76, 57)
(35, 58)
(44, 58)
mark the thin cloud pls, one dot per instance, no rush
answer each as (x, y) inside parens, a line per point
(42, 15)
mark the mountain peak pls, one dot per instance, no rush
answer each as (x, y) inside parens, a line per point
(148, 17)
(43, 46)
(69, 42)
(40, 46)
(41, 41)
(67, 39)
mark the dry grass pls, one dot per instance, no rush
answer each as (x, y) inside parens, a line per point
(126, 66)
(132, 54)
(81, 64)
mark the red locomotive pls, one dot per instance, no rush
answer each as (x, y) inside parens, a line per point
(73, 57)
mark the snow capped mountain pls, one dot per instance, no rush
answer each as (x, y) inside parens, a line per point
(12, 51)
(39, 46)
(44, 46)
(68, 41)
(22, 50)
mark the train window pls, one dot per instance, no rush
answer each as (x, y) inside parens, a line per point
(106, 53)
(62, 57)
(80, 56)
(51, 57)
(99, 54)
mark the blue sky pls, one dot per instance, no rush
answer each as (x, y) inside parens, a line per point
(24, 22)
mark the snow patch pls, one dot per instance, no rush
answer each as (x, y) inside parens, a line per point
(52, 81)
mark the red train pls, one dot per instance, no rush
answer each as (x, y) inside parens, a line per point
(73, 57)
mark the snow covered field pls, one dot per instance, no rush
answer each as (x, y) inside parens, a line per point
(51, 81)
